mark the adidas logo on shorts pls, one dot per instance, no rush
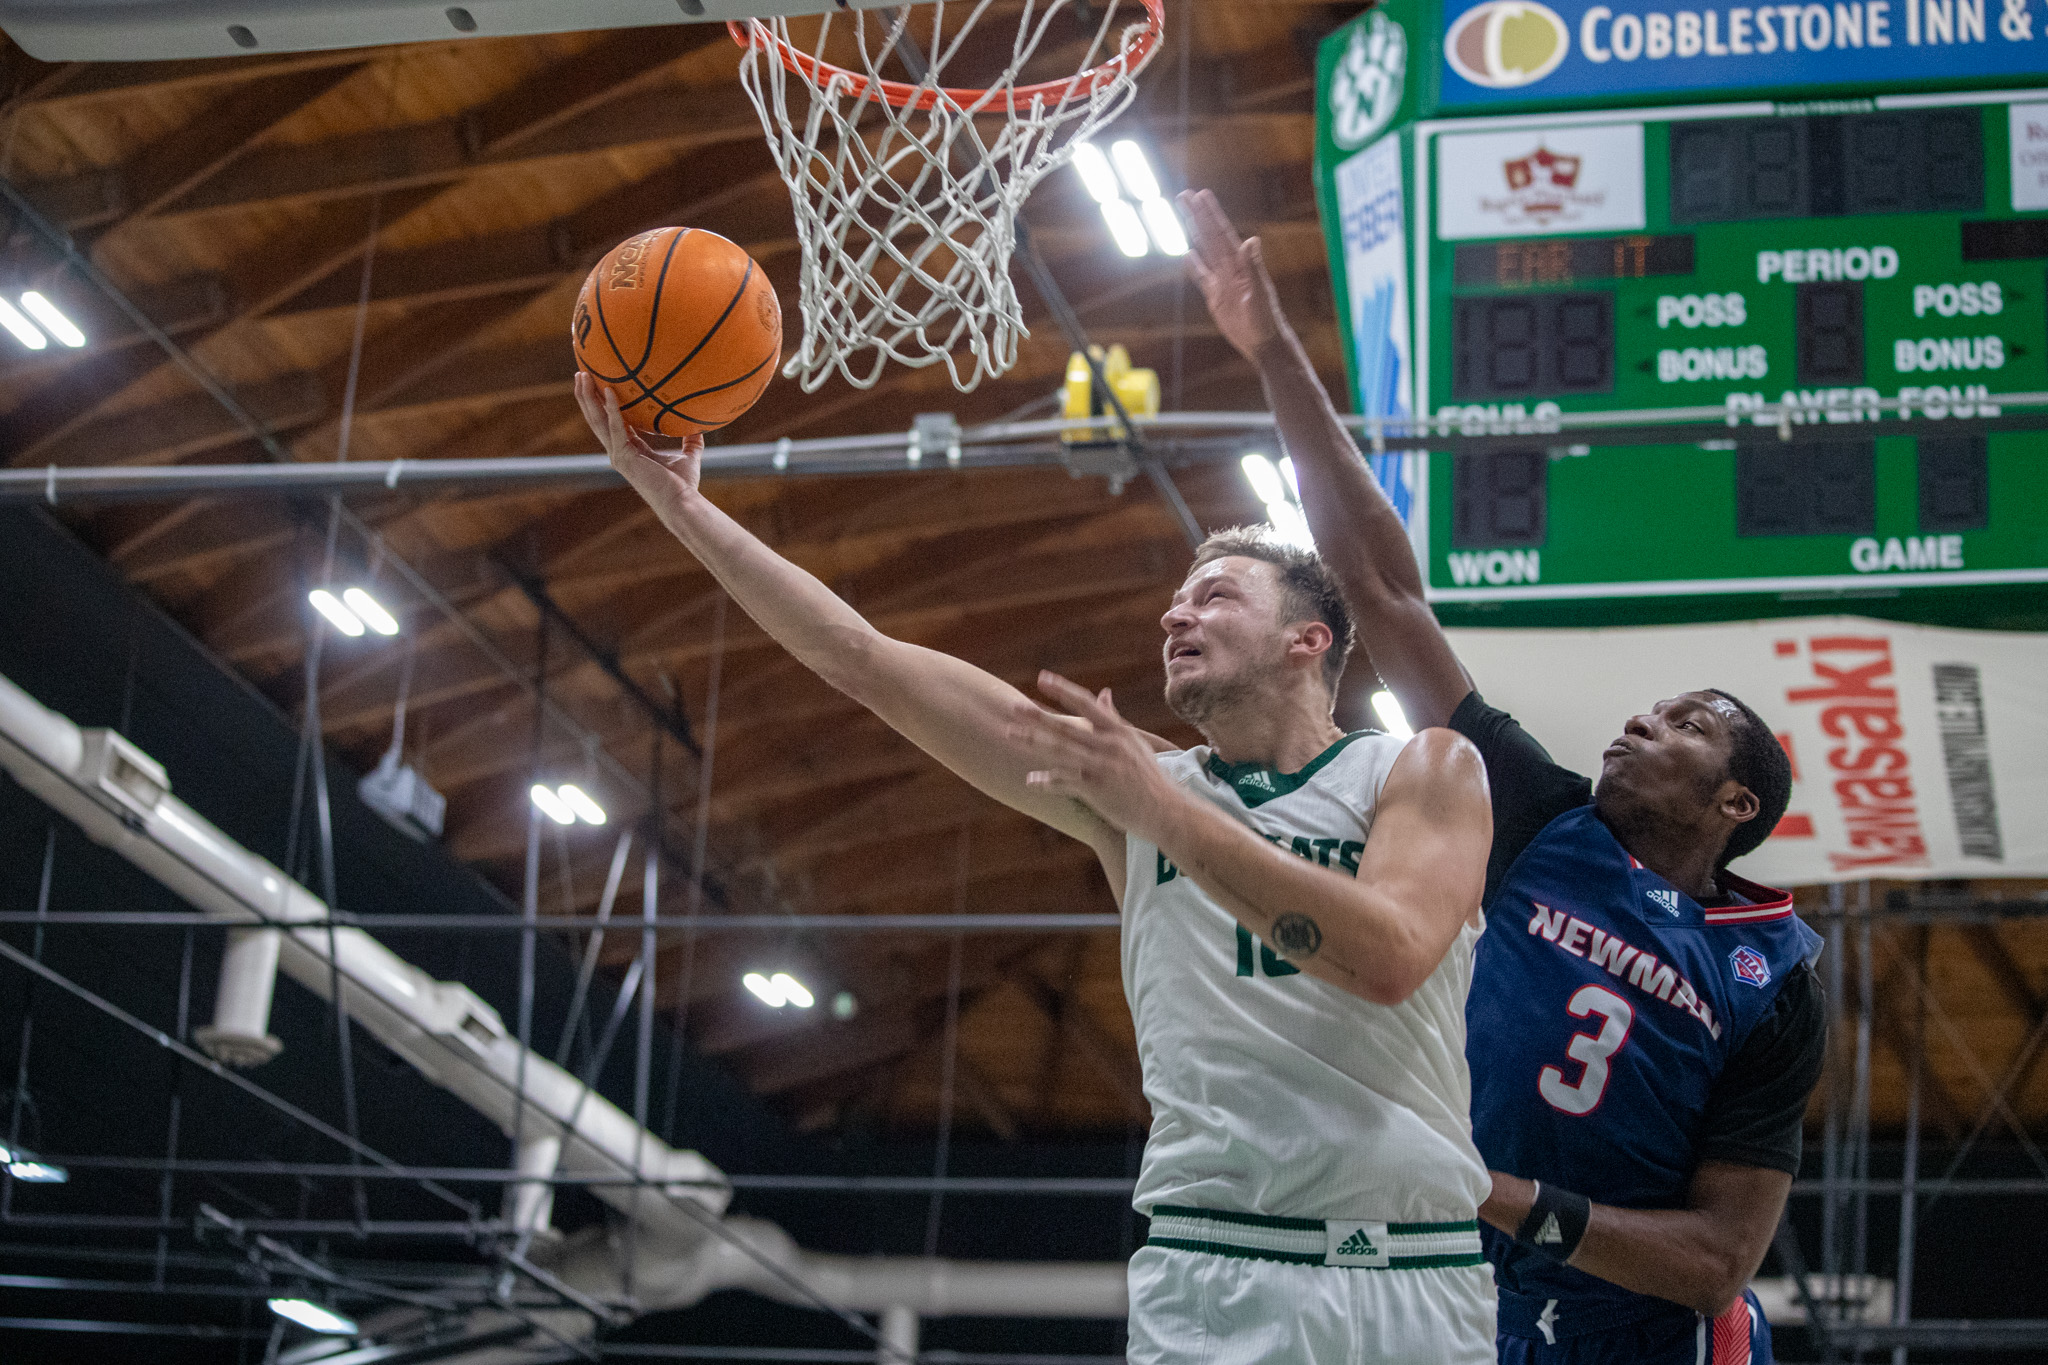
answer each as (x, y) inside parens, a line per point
(1356, 1244)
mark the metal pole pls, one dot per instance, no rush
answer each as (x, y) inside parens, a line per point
(529, 904)
(1859, 1265)
(700, 843)
(1077, 336)
(906, 1185)
(28, 1014)
(643, 1044)
(323, 815)
(1909, 1171)
(164, 1187)
(1831, 1135)
(989, 923)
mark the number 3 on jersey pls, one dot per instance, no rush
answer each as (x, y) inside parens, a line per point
(1590, 1050)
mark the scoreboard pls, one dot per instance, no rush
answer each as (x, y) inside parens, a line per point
(1848, 286)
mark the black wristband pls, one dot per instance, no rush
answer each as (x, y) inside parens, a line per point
(1556, 1222)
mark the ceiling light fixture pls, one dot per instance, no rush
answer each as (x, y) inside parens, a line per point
(306, 1313)
(24, 331)
(1134, 170)
(1164, 225)
(370, 611)
(551, 805)
(1388, 707)
(578, 800)
(1276, 487)
(53, 320)
(1095, 173)
(779, 990)
(1126, 228)
(339, 616)
(1141, 219)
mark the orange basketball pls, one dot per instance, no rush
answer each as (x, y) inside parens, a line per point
(682, 325)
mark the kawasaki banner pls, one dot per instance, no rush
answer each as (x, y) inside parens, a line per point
(1917, 752)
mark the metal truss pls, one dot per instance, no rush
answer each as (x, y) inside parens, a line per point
(1834, 1293)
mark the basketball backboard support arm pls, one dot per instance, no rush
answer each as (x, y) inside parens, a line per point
(148, 30)
(1077, 336)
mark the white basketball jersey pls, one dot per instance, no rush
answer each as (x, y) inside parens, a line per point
(1273, 1092)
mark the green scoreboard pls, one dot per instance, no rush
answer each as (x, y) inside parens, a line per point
(1803, 247)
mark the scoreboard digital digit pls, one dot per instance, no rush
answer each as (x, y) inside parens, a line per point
(1849, 282)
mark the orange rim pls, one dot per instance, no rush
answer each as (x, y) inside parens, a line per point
(753, 33)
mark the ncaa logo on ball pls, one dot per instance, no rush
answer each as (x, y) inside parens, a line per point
(1503, 44)
(1750, 966)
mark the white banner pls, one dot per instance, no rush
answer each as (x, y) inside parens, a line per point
(1538, 181)
(1917, 752)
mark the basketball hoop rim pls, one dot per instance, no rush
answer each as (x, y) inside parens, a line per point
(753, 33)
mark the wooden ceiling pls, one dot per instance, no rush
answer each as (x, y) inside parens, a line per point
(248, 204)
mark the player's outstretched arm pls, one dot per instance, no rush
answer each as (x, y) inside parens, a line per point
(1378, 935)
(1356, 529)
(952, 710)
(1701, 1256)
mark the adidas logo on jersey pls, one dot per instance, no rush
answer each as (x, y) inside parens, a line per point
(1664, 899)
(1260, 780)
(1358, 1244)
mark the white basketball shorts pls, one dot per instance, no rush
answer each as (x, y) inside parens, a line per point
(1251, 1291)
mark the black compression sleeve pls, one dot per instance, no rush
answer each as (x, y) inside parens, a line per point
(1529, 788)
(1756, 1110)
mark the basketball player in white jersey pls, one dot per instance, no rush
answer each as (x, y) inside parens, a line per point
(1300, 908)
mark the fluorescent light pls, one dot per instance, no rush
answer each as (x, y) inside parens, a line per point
(793, 990)
(1287, 472)
(1388, 706)
(578, 800)
(1135, 170)
(552, 805)
(1127, 228)
(309, 1314)
(38, 1173)
(329, 606)
(6, 1154)
(371, 611)
(24, 331)
(1164, 224)
(770, 993)
(1095, 172)
(1291, 525)
(1264, 479)
(45, 312)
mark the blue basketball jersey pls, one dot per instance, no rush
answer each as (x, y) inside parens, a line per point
(1605, 1003)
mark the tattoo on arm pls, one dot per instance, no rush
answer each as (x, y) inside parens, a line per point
(1296, 936)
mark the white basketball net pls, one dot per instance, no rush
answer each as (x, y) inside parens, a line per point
(906, 217)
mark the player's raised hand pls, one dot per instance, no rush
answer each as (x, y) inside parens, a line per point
(658, 476)
(1231, 272)
(1093, 755)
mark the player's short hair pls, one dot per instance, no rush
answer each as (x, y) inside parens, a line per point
(1310, 592)
(1758, 762)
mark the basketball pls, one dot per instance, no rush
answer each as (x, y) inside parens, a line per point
(682, 325)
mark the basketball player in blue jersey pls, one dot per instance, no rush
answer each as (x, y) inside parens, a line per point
(1644, 1026)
